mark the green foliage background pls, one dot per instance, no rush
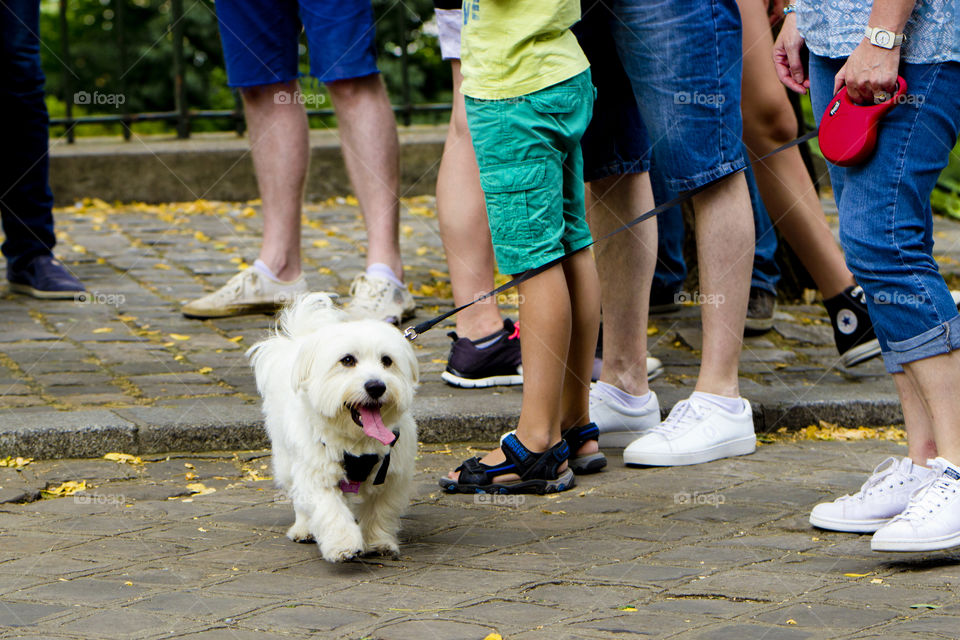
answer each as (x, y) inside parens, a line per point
(144, 73)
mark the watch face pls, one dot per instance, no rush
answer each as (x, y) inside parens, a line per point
(883, 38)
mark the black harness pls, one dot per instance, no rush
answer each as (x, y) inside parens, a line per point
(358, 468)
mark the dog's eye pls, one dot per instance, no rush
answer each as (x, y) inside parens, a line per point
(386, 360)
(348, 361)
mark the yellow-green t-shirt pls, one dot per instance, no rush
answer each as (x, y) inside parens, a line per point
(510, 48)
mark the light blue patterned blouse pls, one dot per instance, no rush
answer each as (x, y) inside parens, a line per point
(834, 28)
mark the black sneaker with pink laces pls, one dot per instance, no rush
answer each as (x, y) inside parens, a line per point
(490, 361)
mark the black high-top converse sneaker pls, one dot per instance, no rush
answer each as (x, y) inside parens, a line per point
(852, 327)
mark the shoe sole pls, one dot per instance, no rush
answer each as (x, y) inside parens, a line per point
(27, 290)
(847, 526)
(587, 464)
(861, 353)
(479, 383)
(655, 373)
(933, 544)
(245, 310)
(739, 447)
(565, 481)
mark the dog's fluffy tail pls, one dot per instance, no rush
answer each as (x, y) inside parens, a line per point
(300, 318)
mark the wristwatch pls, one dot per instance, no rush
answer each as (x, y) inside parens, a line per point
(884, 38)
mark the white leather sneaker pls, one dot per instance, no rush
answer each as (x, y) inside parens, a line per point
(247, 292)
(931, 521)
(695, 432)
(381, 299)
(884, 495)
(619, 425)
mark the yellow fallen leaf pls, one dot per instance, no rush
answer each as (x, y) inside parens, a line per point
(162, 266)
(201, 530)
(179, 336)
(204, 369)
(128, 583)
(791, 621)
(235, 339)
(877, 581)
(190, 475)
(201, 236)
(103, 330)
(856, 575)
(126, 318)
(188, 465)
(652, 331)
(200, 489)
(15, 463)
(248, 212)
(553, 513)
(422, 251)
(493, 636)
(352, 201)
(321, 244)
(123, 458)
(325, 271)
(67, 488)
(627, 608)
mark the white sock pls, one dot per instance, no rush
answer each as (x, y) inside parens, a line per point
(731, 405)
(621, 397)
(260, 266)
(380, 270)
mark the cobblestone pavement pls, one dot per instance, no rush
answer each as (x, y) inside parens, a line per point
(192, 546)
(125, 366)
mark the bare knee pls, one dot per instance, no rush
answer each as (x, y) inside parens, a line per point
(268, 93)
(352, 90)
(769, 129)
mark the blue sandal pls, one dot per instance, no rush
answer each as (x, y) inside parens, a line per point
(539, 472)
(575, 438)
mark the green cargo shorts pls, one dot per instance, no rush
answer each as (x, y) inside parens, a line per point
(531, 170)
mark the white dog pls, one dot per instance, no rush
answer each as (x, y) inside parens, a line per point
(336, 401)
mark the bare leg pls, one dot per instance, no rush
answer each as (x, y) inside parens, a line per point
(725, 241)
(547, 317)
(936, 380)
(368, 135)
(584, 287)
(631, 257)
(278, 144)
(464, 230)
(920, 443)
(784, 183)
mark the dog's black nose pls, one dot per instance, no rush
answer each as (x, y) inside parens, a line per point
(375, 388)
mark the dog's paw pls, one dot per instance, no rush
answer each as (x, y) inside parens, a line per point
(388, 548)
(346, 546)
(299, 533)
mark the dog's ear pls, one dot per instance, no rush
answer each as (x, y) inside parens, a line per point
(303, 364)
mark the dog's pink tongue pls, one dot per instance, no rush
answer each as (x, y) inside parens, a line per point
(373, 425)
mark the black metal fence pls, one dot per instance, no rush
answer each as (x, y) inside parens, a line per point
(182, 115)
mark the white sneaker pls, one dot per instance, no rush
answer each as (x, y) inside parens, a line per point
(619, 425)
(247, 292)
(931, 520)
(884, 495)
(695, 432)
(379, 298)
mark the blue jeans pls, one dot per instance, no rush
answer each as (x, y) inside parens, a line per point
(25, 198)
(671, 269)
(668, 76)
(886, 223)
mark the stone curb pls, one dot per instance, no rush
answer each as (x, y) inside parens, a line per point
(142, 430)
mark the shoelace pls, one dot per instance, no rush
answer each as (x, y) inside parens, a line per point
(928, 497)
(875, 480)
(680, 417)
(237, 285)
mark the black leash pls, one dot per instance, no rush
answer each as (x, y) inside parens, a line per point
(411, 333)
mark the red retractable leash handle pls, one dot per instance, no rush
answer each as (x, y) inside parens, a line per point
(848, 131)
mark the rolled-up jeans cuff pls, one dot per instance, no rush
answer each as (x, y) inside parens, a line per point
(941, 339)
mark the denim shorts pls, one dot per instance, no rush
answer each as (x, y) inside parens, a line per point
(531, 171)
(260, 39)
(886, 223)
(668, 77)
